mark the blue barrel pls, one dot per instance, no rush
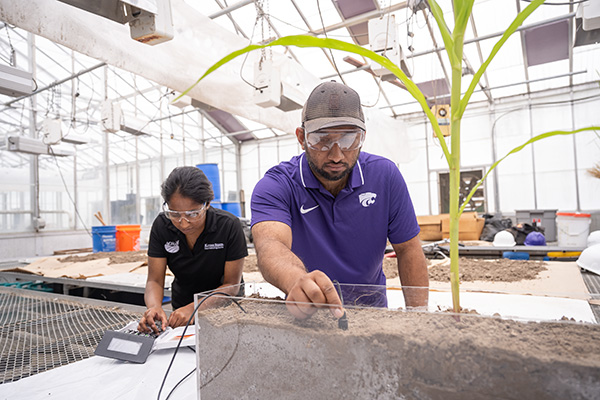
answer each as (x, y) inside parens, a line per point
(212, 173)
(234, 208)
(216, 204)
(104, 238)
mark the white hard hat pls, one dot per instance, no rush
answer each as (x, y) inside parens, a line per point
(504, 239)
(593, 238)
(590, 259)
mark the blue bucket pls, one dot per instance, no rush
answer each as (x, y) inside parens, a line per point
(104, 238)
(234, 208)
(212, 173)
(516, 255)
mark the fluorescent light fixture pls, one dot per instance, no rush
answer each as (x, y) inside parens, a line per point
(61, 150)
(24, 144)
(74, 138)
(15, 82)
(182, 102)
(135, 126)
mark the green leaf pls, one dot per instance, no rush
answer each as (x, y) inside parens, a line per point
(509, 31)
(438, 14)
(519, 148)
(462, 11)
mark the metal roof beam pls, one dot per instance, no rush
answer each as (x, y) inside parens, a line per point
(230, 9)
(360, 18)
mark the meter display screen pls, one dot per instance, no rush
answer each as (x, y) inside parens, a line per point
(124, 346)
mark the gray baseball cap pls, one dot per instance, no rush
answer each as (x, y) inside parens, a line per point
(332, 104)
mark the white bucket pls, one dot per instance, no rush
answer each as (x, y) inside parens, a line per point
(573, 229)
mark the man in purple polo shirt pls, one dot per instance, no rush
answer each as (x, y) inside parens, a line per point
(326, 214)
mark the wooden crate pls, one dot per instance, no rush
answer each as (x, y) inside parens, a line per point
(470, 226)
(431, 227)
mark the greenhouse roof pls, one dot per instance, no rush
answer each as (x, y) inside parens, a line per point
(551, 51)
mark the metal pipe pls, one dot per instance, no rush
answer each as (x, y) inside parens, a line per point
(573, 138)
(532, 152)
(231, 8)
(507, 85)
(366, 66)
(360, 18)
(55, 83)
(34, 167)
(106, 158)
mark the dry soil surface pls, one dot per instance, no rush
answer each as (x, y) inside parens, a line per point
(119, 257)
(499, 270)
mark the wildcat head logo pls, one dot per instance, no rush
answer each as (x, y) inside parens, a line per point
(367, 198)
(172, 247)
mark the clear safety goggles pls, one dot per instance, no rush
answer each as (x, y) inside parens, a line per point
(189, 216)
(347, 139)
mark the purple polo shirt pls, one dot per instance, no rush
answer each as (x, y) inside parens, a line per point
(343, 236)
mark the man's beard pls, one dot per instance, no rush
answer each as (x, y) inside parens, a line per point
(326, 174)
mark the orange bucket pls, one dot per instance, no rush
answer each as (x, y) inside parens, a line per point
(128, 237)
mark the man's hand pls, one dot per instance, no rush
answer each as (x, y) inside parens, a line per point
(316, 288)
(181, 316)
(148, 321)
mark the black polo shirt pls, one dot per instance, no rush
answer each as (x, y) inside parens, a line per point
(202, 268)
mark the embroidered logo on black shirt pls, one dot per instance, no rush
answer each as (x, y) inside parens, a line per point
(172, 247)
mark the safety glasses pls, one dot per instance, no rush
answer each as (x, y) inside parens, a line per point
(189, 216)
(347, 139)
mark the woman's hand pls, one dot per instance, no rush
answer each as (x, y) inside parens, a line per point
(148, 321)
(181, 316)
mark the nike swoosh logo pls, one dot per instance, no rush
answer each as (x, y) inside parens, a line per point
(307, 210)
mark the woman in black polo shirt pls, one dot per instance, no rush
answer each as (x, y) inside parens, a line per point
(204, 247)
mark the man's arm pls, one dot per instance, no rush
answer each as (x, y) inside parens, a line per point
(412, 268)
(282, 268)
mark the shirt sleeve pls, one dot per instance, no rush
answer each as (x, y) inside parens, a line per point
(155, 245)
(271, 200)
(403, 224)
(236, 248)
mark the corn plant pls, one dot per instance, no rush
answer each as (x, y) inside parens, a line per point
(453, 41)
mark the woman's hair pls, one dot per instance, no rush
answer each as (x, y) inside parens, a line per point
(189, 182)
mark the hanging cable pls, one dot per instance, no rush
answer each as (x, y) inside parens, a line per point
(258, 16)
(183, 334)
(67, 190)
(385, 48)
(330, 52)
(12, 61)
(263, 16)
